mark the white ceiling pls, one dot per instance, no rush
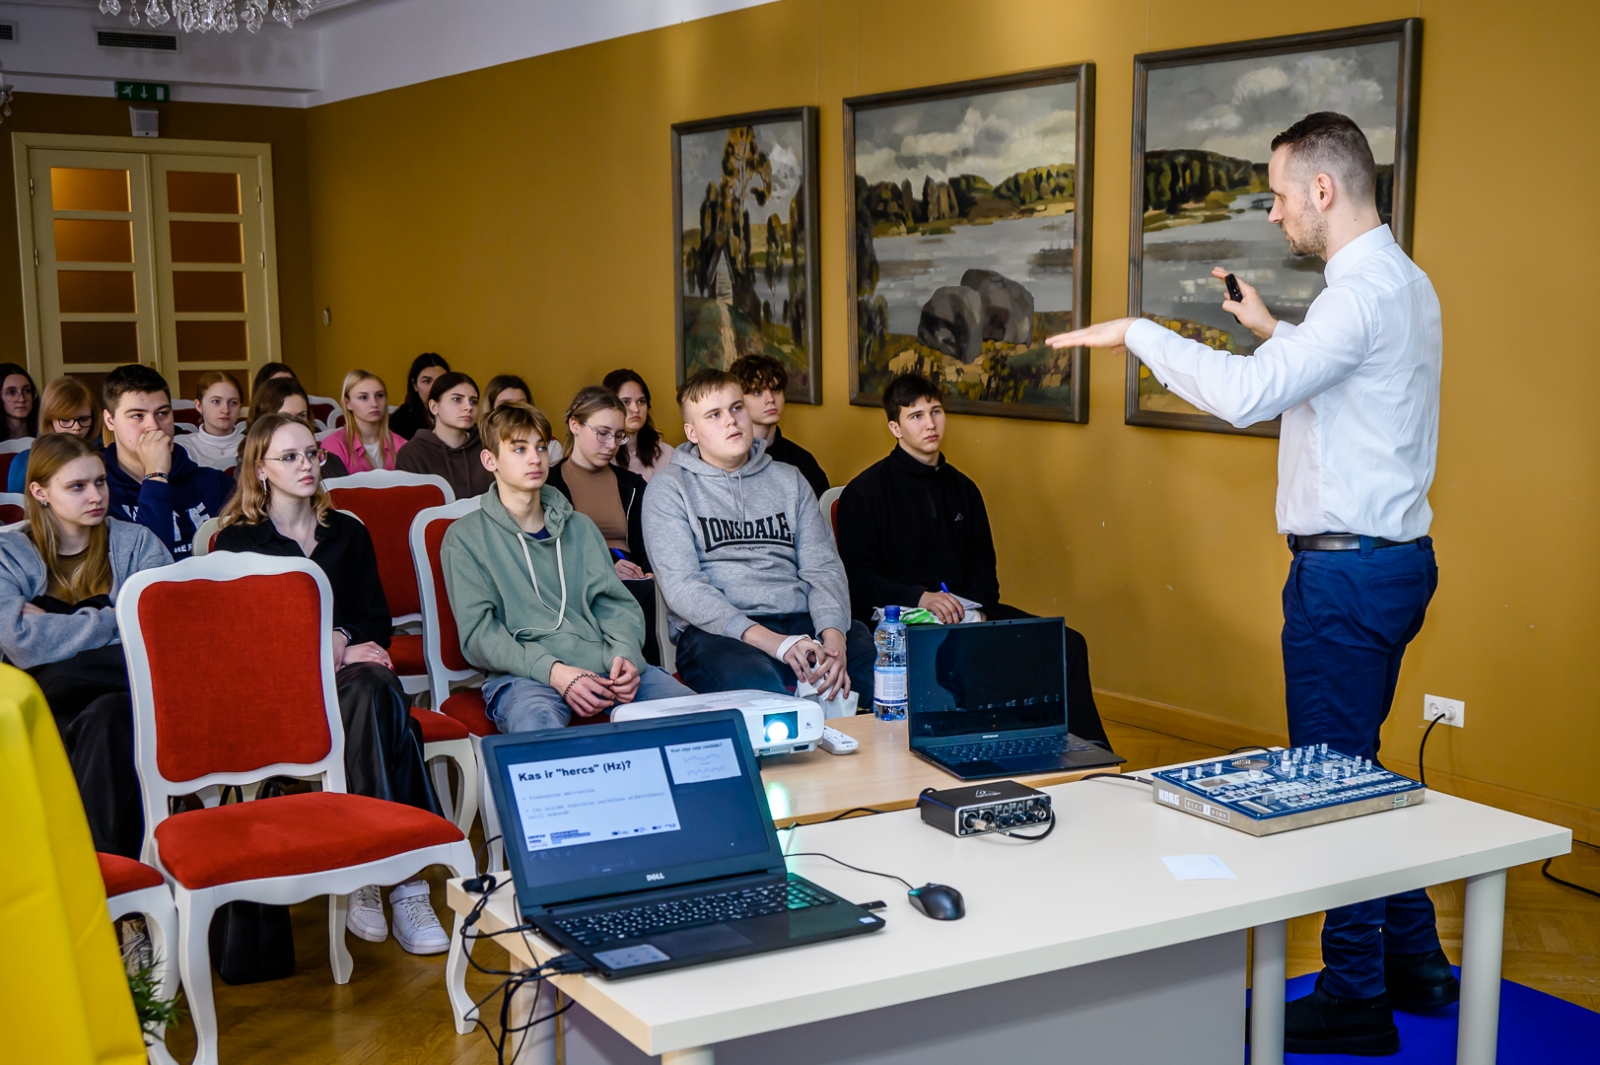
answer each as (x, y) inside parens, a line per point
(347, 48)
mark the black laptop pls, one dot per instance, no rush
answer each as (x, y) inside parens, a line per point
(648, 845)
(989, 699)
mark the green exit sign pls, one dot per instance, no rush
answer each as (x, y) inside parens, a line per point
(147, 92)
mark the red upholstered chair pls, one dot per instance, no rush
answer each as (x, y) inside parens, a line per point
(9, 450)
(386, 501)
(278, 716)
(323, 410)
(185, 415)
(13, 508)
(133, 887)
(830, 508)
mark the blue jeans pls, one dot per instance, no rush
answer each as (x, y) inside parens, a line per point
(1347, 618)
(518, 704)
(708, 662)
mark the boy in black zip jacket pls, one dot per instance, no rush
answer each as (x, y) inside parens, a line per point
(153, 482)
(913, 531)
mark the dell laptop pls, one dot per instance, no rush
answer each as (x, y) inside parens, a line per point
(648, 845)
(989, 699)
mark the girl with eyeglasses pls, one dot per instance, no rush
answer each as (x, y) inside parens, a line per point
(283, 509)
(68, 406)
(608, 494)
(644, 453)
(19, 400)
(59, 578)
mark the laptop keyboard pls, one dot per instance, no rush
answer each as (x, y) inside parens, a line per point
(636, 922)
(993, 749)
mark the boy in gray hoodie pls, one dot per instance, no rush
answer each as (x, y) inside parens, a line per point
(535, 594)
(756, 595)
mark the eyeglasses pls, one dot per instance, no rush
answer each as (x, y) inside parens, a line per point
(291, 460)
(13, 392)
(75, 423)
(606, 436)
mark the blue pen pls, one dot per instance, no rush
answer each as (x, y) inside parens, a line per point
(619, 555)
(943, 587)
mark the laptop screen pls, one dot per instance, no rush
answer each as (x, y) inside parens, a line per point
(993, 676)
(604, 809)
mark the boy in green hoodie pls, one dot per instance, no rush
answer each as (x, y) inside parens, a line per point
(536, 596)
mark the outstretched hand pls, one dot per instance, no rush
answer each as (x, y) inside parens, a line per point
(1252, 313)
(1110, 334)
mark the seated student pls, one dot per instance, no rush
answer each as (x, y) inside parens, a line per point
(913, 531)
(451, 448)
(536, 597)
(68, 406)
(413, 413)
(745, 560)
(763, 379)
(283, 509)
(216, 442)
(154, 482)
(364, 442)
(645, 453)
(273, 371)
(283, 395)
(509, 388)
(18, 401)
(609, 495)
(59, 578)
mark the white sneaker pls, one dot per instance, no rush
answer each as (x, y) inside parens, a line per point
(365, 916)
(416, 928)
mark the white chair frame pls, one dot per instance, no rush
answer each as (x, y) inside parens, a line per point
(184, 427)
(161, 922)
(14, 447)
(16, 499)
(197, 906)
(412, 683)
(203, 535)
(333, 419)
(830, 497)
(465, 753)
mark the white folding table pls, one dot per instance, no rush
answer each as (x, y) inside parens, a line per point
(1080, 947)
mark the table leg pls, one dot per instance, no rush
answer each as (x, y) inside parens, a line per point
(1482, 936)
(537, 1045)
(1268, 973)
(691, 1056)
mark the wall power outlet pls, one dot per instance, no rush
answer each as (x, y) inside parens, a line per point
(1454, 711)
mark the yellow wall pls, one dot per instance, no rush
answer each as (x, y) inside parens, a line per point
(519, 218)
(282, 127)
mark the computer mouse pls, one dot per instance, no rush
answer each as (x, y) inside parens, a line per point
(938, 901)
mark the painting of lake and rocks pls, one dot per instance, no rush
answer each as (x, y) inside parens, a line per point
(969, 230)
(744, 203)
(1203, 127)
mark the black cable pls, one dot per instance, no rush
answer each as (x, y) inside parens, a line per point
(1548, 875)
(1422, 749)
(1118, 776)
(1051, 827)
(847, 865)
(853, 810)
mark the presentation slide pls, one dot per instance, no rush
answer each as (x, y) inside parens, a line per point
(695, 763)
(585, 800)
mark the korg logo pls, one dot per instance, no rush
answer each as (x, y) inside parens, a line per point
(655, 876)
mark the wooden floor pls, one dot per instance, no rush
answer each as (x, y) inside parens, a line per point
(394, 1010)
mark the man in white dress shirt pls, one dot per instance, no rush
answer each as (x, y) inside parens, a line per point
(1357, 384)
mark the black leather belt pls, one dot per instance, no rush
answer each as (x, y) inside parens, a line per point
(1339, 542)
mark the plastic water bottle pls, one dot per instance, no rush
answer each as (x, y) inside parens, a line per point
(889, 674)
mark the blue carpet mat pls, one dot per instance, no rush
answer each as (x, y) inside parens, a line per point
(1535, 1029)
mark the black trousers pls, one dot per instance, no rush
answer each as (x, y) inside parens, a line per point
(88, 697)
(382, 744)
(709, 662)
(644, 592)
(1083, 716)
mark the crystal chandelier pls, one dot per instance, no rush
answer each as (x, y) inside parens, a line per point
(204, 16)
(5, 97)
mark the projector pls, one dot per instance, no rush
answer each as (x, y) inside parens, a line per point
(778, 724)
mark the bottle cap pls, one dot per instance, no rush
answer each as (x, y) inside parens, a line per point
(891, 613)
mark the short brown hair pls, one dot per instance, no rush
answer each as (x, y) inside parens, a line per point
(1326, 142)
(759, 372)
(510, 422)
(215, 377)
(702, 383)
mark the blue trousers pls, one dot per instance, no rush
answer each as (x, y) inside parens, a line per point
(518, 704)
(1347, 618)
(709, 662)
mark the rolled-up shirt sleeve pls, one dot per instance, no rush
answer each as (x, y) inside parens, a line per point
(1296, 363)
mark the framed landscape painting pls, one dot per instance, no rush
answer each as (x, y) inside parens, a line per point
(969, 227)
(744, 209)
(1203, 124)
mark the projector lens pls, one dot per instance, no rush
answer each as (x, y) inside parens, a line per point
(780, 727)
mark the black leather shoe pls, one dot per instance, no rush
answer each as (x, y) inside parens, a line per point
(1418, 983)
(1322, 1023)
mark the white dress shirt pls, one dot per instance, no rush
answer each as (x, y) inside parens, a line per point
(1357, 384)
